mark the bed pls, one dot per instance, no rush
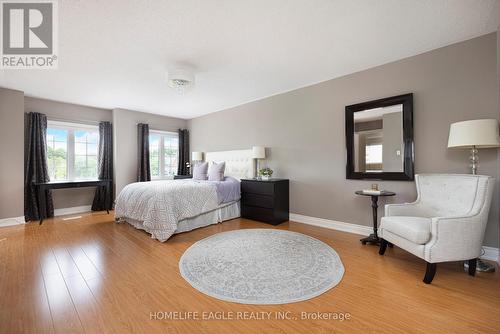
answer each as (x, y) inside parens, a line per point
(166, 207)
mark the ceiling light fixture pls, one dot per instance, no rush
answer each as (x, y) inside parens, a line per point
(181, 79)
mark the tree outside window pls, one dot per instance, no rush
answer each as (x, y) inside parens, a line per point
(72, 151)
(163, 154)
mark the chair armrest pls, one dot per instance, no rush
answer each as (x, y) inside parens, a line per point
(455, 238)
(405, 209)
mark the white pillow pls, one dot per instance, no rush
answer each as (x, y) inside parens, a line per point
(200, 171)
(216, 171)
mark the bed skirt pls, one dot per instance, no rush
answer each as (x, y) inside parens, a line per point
(226, 211)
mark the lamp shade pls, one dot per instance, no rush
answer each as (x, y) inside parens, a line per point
(481, 133)
(197, 156)
(259, 152)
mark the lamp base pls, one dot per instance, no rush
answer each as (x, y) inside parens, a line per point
(474, 160)
(482, 267)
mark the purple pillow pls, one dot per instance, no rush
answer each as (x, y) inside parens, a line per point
(200, 171)
(216, 171)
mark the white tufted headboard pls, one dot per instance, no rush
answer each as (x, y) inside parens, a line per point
(239, 163)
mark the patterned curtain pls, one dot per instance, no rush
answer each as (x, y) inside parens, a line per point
(103, 199)
(183, 169)
(35, 166)
(143, 170)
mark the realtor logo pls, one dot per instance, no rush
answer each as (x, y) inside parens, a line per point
(29, 34)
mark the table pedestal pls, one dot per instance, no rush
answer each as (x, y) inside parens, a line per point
(373, 238)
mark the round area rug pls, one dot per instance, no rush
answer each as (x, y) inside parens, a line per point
(261, 266)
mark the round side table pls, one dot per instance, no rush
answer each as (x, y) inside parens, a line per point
(373, 238)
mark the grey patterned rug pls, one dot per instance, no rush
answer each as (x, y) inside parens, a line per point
(261, 266)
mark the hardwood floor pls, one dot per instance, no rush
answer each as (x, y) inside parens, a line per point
(92, 275)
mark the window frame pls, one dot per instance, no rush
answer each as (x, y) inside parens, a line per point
(161, 154)
(71, 128)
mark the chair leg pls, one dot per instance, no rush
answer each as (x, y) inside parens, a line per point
(383, 246)
(472, 267)
(430, 272)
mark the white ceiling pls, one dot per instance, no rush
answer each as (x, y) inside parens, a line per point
(114, 53)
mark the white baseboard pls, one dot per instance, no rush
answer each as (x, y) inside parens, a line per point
(73, 210)
(57, 212)
(491, 253)
(12, 221)
(332, 224)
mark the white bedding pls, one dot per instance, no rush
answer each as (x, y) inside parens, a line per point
(224, 212)
(160, 205)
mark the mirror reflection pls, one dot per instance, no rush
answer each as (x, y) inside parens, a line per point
(378, 140)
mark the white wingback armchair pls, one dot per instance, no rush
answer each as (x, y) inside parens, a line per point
(446, 222)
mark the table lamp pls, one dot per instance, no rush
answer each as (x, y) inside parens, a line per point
(196, 157)
(258, 152)
(473, 135)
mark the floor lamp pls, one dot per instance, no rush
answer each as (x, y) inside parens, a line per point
(474, 135)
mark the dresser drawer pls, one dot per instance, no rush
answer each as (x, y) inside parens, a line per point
(260, 214)
(264, 201)
(263, 188)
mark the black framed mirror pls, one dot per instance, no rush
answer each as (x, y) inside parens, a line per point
(379, 139)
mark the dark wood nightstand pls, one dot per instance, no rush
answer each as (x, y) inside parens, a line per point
(265, 200)
(180, 177)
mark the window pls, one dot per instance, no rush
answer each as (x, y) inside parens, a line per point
(374, 158)
(72, 151)
(374, 154)
(163, 154)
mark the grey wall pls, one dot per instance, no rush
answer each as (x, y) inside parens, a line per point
(125, 140)
(12, 152)
(393, 142)
(304, 129)
(67, 198)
